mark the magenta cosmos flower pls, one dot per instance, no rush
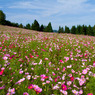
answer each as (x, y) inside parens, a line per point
(64, 87)
(1, 72)
(72, 78)
(30, 86)
(61, 61)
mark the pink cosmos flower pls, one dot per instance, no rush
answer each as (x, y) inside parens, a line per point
(2, 68)
(5, 57)
(55, 79)
(20, 72)
(56, 87)
(67, 58)
(54, 74)
(25, 93)
(84, 71)
(73, 71)
(2, 87)
(75, 92)
(20, 59)
(63, 77)
(0, 48)
(46, 59)
(81, 92)
(37, 55)
(69, 66)
(28, 77)
(64, 87)
(64, 92)
(94, 64)
(82, 81)
(70, 75)
(64, 69)
(37, 89)
(47, 81)
(69, 83)
(11, 91)
(21, 80)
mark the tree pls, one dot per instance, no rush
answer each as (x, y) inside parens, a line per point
(8, 23)
(93, 34)
(73, 30)
(78, 29)
(61, 29)
(15, 24)
(84, 30)
(90, 31)
(35, 25)
(28, 26)
(21, 26)
(2, 17)
(67, 30)
(42, 28)
(48, 28)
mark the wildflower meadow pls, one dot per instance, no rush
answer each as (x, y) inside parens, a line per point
(42, 63)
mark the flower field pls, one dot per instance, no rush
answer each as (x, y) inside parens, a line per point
(40, 63)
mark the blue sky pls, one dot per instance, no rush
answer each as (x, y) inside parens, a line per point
(58, 12)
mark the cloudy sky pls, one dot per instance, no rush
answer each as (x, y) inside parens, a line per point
(58, 12)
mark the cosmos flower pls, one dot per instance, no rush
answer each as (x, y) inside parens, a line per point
(84, 71)
(11, 91)
(94, 64)
(64, 69)
(64, 92)
(69, 83)
(81, 92)
(5, 57)
(82, 81)
(64, 87)
(75, 92)
(30, 86)
(28, 77)
(61, 61)
(56, 87)
(72, 78)
(20, 72)
(2, 87)
(21, 80)
(25, 93)
(1, 72)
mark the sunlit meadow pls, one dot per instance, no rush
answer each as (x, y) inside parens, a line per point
(40, 63)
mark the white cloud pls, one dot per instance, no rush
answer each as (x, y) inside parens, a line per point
(72, 1)
(60, 7)
(28, 5)
(56, 12)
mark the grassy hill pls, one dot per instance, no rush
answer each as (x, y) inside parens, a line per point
(33, 62)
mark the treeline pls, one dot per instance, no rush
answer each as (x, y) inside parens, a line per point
(34, 26)
(80, 29)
